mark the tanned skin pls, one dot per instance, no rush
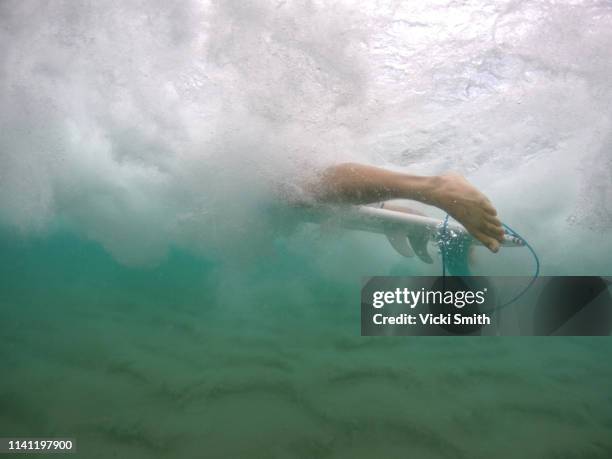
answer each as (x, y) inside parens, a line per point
(361, 184)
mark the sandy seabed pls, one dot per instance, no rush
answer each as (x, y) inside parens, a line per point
(155, 363)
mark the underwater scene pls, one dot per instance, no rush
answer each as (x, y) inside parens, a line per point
(162, 296)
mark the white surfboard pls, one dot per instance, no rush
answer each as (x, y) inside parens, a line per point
(409, 234)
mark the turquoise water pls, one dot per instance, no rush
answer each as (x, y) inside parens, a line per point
(158, 298)
(174, 361)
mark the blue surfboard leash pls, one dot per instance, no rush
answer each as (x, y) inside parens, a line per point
(509, 231)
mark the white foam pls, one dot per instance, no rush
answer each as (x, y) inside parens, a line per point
(147, 126)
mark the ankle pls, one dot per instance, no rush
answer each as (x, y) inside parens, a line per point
(421, 188)
(435, 185)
